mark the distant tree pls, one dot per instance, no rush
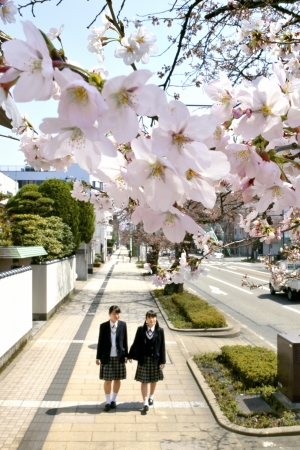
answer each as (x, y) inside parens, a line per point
(29, 201)
(51, 233)
(87, 220)
(5, 229)
(64, 205)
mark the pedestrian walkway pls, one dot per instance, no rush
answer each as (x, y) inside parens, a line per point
(51, 396)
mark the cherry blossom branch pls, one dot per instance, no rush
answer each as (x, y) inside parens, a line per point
(9, 137)
(99, 14)
(247, 5)
(33, 3)
(117, 24)
(182, 35)
(292, 146)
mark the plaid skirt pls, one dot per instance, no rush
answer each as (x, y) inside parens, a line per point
(114, 370)
(148, 373)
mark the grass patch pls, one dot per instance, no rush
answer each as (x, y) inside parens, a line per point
(189, 311)
(226, 383)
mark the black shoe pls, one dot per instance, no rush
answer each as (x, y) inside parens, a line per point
(146, 408)
(107, 407)
(150, 401)
(113, 405)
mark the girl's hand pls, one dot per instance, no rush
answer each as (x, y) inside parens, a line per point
(97, 362)
(162, 366)
(130, 360)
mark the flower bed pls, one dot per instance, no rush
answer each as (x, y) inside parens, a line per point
(226, 384)
(189, 311)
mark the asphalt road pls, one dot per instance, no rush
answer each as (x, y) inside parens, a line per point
(256, 310)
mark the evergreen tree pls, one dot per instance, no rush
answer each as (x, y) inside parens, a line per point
(51, 233)
(86, 221)
(64, 205)
(29, 201)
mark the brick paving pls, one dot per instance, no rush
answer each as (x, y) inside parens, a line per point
(51, 396)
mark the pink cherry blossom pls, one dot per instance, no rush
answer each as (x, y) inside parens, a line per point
(32, 61)
(223, 93)
(127, 97)
(267, 103)
(173, 223)
(179, 137)
(87, 145)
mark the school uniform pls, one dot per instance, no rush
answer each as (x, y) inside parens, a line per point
(112, 350)
(149, 350)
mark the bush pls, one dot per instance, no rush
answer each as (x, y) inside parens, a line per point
(50, 233)
(193, 310)
(29, 201)
(255, 366)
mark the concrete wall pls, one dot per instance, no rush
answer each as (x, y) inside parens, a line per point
(15, 310)
(53, 282)
(6, 264)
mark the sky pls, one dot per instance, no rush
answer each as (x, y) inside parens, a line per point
(76, 15)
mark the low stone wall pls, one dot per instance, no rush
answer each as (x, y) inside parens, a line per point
(53, 282)
(15, 310)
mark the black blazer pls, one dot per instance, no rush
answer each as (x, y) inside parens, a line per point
(138, 347)
(104, 342)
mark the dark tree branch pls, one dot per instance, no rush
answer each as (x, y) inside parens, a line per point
(97, 16)
(182, 35)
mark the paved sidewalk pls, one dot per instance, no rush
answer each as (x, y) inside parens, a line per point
(51, 396)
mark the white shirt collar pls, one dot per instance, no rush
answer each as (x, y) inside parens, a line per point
(152, 328)
(112, 324)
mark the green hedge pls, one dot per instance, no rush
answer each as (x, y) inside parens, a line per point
(197, 311)
(255, 366)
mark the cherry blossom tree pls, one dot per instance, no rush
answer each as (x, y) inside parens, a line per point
(157, 159)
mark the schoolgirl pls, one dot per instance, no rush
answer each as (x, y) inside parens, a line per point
(112, 353)
(149, 350)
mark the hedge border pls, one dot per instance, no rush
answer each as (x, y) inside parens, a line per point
(229, 331)
(222, 419)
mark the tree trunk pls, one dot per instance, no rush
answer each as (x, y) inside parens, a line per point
(153, 260)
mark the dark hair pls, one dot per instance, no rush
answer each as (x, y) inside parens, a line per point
(114, 308)
(152, 313)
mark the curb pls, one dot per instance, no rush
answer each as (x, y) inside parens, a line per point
(226, 332)
(222, 419)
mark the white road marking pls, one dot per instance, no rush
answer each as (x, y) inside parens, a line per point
(251, 270)
(253, 278)
(216, 290)
(228, 284)
(292, 309)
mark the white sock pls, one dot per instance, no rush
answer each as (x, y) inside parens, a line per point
(114, 397)
(146, 402)
(107, 398)
(151, 396)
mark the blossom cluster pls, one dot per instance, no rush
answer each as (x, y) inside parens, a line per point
(153, 171)
(191, 270)
(259, 34)
(134, 48)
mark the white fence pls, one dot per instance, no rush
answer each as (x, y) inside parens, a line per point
(53, 282)
(15, 310)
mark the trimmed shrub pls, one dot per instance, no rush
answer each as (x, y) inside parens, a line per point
(194, 310)
(29, 201)
(255, 366)
(51, 233)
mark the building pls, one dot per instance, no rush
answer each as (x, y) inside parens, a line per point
(8, 186)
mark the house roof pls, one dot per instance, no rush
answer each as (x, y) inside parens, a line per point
(21, 252)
